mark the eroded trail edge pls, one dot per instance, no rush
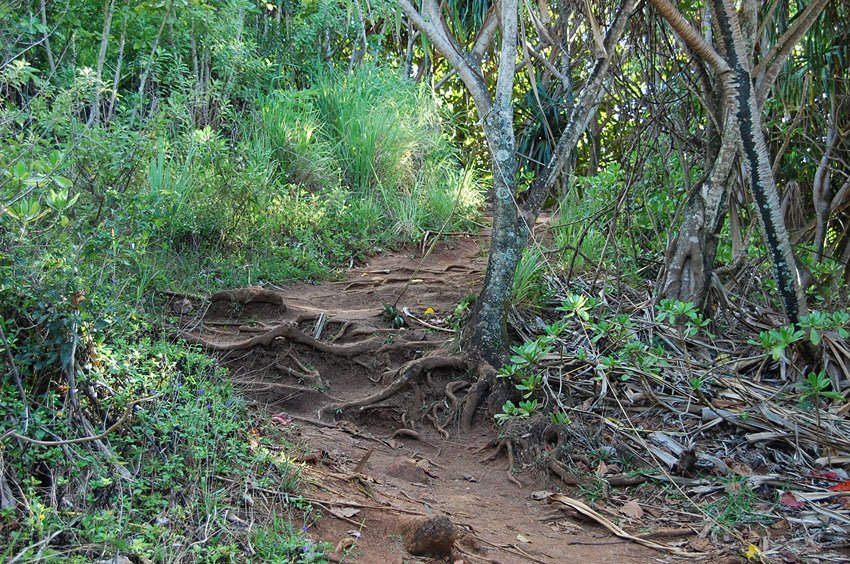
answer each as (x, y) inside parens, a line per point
(369, 372)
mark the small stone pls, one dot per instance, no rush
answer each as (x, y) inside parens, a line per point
(182, 307)
(434, 537)
(407, 470)
(119, 559)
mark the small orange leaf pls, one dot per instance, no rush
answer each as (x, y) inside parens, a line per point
(841, 487)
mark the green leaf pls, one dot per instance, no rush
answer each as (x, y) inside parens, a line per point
(62, 182)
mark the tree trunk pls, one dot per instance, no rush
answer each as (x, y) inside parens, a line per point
(42, 10)
(485, 334)
(108, 11)
(139, 109)
(754, 149)
(116, 78)
(745, 89)
(822, 186)
(690, 256)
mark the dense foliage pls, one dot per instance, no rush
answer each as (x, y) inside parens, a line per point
(168, 146)
(187, 146)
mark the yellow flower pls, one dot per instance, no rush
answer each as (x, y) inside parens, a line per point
(430, 311)
(753, 553)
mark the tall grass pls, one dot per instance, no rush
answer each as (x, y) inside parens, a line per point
(291, 125)
(529, 289)
(383, 127)
(379, 136)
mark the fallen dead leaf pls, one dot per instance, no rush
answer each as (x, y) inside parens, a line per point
(344, 512)
(541, 494)
(632, 509)
(523, 538)
(788, 499)
(700, 545)
(823, 474)
(344, 544)
(254, 438)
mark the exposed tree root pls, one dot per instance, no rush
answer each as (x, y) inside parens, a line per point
(389, 280)
(408, 373)
(486, 377)
(500, 446)
(258, 387)
(434, 418)
(250, 295)
(290, 331)
(511, 477)
(409, 433)
(451, 389)
(303, 373)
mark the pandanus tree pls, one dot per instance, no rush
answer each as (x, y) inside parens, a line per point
(739, 58)
(492, 87)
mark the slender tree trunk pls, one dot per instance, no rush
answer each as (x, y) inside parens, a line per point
(822, 186)
(116, 78)
(139, 110)
(108, 11)
(485, 334)
(757, 159)
(690, 256)
(745, 89)
(412, 34)
(42, 9)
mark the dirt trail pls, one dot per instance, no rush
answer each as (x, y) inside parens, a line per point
(370, 478)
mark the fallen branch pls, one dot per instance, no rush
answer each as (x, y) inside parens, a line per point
(588, 512)
(127, 412)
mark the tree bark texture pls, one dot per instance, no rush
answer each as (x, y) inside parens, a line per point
(757, 160)
(690, 256)
(485, 334)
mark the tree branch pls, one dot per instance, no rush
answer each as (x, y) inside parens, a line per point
(579, 116)
(767, 70)
(690, 35)
(470, 76)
